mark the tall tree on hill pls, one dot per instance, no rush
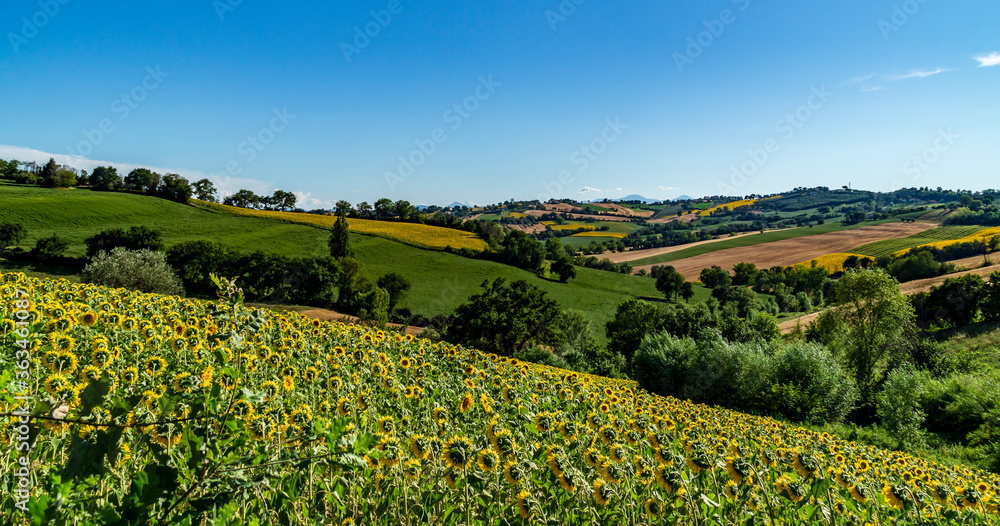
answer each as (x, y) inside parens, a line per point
(383, 208)
(205, 190)
(283, 201)
(340, 239)
(105, 178)
(49, 172)
(142, 180)
(344, 208)
(670, 282)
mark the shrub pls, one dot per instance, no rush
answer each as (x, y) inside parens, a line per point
(898, 405)
(143, 270)
(135, 238)
(12, 234)
(823, 391)
(49, 249)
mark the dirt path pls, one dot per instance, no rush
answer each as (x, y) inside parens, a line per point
(910, 288)
(330, 315)
(624, 210)
(796, 250)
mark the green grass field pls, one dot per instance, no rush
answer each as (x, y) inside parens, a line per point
(887, 247)
(441, 281)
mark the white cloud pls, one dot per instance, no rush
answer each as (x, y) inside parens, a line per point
(873, 88)
(861, 79)
(225, 184)
(919, 74)
(985, 61)
(588, 190)
(669, 188)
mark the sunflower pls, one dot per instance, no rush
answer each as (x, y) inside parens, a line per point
(894, 496)
(467, 402)
(488, 460)
(411, 469)
(405, 362)
(88, 319)
(514, 473)
(458, 452)
(344, 406)
(602, 492)
(287, 383)
(55, 382)
(386, 425)
(524, 505)
(62, 342)
(155, 366)
(653, 507)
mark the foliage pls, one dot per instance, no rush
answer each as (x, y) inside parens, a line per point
(135, 238)
(634, 319)
(12, 234)
(670, 283)
(340, 239)
(564, 268)
(48, 249)
(919, 265)
(142, 270)
(396, 286)
(716, 277)
(870, 319)
(504, 318)
(899, 407)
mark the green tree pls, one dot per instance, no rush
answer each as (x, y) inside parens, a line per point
(340, 239)
(175, 188)
(871, 318)
(687, 291)
(396, 286)
(403, 209)
(554, 249)
(49, 249)
(563, 266)
(715, 277)
(243, 199)
(505, 318)
(283, 201)
(383, 208)
(142, 180)
(205, 191)
(49, 172)
(670, 282)
(918, 265)
(352, 284)
(105, 178)
(135, 238)
(744, 274)
(344, 208)
(633, 321)
(12, 234)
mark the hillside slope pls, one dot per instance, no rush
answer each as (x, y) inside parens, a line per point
(309, 422)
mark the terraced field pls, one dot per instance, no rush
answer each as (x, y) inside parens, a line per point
(891, 246)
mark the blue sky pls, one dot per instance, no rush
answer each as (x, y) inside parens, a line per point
(451, 101)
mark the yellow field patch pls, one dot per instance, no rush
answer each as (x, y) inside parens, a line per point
(618, 235)
(425, 236)
(569, 227)
(731, 206)
(832, 263)
(982, 235)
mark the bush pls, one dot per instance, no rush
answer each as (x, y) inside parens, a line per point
(959, 405)
(898, 406)
(135, 238)
(49, 249)
(143, 270)
(920, 265)
(12, 234)
(821, 390)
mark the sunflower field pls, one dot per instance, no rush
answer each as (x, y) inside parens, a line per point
(415, 234)
(163, 410)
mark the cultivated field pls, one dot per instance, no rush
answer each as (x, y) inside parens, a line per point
(891, 246)
(795, 250)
